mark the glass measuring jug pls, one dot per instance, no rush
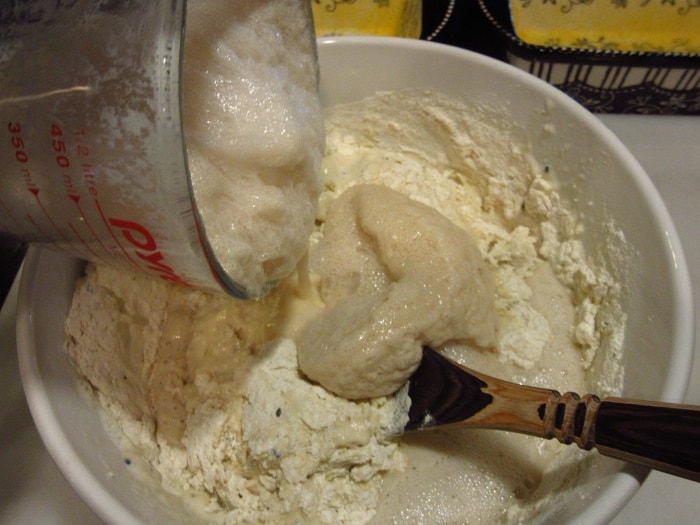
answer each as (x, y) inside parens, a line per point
(91, 140)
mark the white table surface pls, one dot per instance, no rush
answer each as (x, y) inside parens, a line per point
(32, 490)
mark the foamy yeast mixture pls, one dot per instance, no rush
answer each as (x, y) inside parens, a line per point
(254, 132)
(396, 275)
(203, 393)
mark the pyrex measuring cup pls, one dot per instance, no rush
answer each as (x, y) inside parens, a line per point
(91, 142)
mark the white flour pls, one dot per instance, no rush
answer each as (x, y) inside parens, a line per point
(199, 393)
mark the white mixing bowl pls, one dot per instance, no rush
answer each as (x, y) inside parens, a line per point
(659, 337)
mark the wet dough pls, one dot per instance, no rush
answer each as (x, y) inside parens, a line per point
(397, 275)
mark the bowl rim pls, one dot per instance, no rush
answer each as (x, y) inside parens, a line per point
(603, 506)
(63, 453)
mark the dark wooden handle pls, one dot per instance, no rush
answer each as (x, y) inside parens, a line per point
(662, 436)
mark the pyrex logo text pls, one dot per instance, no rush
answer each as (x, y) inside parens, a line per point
(146, 248)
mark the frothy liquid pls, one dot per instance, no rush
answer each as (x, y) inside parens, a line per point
(254, 133)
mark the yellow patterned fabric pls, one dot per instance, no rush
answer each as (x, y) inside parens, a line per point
(367, 17)
(620, 25)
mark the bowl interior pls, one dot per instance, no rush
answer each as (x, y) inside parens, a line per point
(592, 166)
(598, 175)
(67, 422)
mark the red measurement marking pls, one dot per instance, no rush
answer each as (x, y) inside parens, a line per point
(36, 225)
(59, 146)
(28, 180)
(84, 243)
(44, 235)
(81, 148)
(15, 129)
(109, 229)
(35, 191)
(71, 191)
(90, 179)
(86, 222)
